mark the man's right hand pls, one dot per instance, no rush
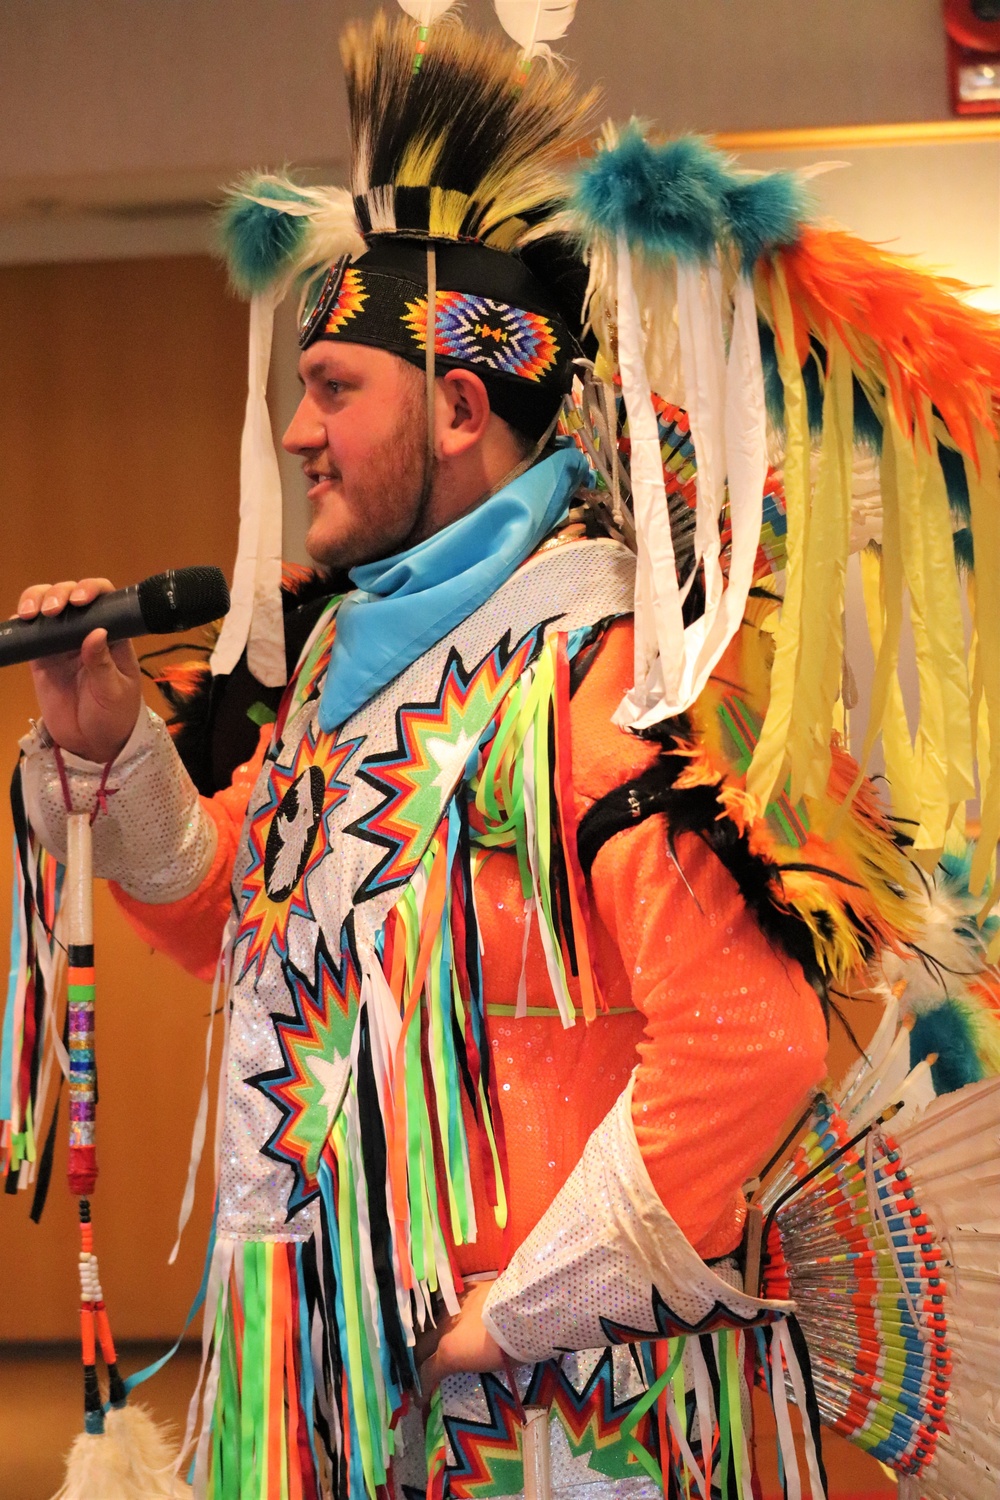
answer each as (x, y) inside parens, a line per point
(90, 699)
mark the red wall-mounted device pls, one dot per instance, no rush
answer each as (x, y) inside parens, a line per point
(973, 31)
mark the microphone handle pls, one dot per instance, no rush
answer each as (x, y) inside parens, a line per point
(118, 613)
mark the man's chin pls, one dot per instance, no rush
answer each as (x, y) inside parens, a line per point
(343, 552)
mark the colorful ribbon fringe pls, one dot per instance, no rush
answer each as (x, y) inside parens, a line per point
(31, 1048)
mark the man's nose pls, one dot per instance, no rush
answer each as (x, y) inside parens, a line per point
(305, 433)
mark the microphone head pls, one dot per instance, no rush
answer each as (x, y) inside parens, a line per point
(182, 599)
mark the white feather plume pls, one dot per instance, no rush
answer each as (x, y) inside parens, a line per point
(130, 1460)
(426, 11)
(951, 951)
(533, 23)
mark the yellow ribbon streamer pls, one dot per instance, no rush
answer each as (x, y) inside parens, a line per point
(897, 747)
(821, 651)
(984, 500)
(768, 767)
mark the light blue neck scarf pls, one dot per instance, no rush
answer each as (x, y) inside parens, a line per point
(405, 604)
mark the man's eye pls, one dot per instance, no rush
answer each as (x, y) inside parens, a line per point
(334, 387)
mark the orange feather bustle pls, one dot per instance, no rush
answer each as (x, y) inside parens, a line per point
(901, 321)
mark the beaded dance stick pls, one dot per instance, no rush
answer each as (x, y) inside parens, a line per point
(82, 1168)
(121, 1456)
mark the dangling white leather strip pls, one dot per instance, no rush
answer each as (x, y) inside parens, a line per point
(255, 616)
(727, 414)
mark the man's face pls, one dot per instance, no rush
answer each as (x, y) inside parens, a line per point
(360, 430)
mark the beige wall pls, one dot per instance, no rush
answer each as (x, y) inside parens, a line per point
(121, 391)
(936, 200)
(165, 98)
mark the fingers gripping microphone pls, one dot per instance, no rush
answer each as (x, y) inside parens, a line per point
(161, 605)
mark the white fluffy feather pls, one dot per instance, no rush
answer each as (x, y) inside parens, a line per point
(96, 1466)
(954, 949)
(426, 11)
(533, 23)
(149, 1452)
(131, 1460)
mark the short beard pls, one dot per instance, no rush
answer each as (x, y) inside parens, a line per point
(388, 506)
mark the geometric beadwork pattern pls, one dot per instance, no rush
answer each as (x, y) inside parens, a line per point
(351, 298)
(478, 331)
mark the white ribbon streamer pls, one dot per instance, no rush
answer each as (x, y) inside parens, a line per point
(782, 1420)
(817, 1489)
(727, 413)
(255, 617)
(209, 1373)
(220, 987)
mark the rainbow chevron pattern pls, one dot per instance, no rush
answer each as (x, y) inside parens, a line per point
(432, 741)
(592, 1418)
(348, 303)
(485, 1456)
(288, 838)
(315, 1041)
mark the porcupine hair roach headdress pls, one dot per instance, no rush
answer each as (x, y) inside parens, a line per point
(458, 148)
(463, 156)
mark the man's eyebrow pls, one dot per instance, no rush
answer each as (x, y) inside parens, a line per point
(316, 369)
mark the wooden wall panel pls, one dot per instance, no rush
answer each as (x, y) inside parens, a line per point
(121, 396)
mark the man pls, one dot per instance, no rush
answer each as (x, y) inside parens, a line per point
(519, 1003)
(368, 495)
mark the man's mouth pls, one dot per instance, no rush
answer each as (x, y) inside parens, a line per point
(318, 481)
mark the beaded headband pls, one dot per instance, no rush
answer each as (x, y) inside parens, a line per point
(492, 317)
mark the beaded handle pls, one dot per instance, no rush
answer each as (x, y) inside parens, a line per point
(79, 897)
(82, 1167)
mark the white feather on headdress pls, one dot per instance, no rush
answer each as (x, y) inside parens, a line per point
(426, 12)
(534, 23)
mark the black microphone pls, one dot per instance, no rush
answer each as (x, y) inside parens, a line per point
(161, 605)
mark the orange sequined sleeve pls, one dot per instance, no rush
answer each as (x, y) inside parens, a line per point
(190, 930)
(734, 1036)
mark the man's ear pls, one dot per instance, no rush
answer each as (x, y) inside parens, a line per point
(466, 414)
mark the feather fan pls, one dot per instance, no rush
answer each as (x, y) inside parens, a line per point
(533, 23)
(888, 1248)
(951, 1156)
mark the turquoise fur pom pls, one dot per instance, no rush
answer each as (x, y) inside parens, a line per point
(259, 241)
(666, 200)
(677, 200)
(947, 1031)
(956, 866)
(764, 213)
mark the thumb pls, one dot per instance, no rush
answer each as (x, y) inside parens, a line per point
(100, 667)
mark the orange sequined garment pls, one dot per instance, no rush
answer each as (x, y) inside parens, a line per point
(727, 1034)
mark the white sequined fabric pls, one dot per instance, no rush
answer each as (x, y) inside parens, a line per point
(593, 1268)
(575, 585)
(152, 836)
(572, 1477)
